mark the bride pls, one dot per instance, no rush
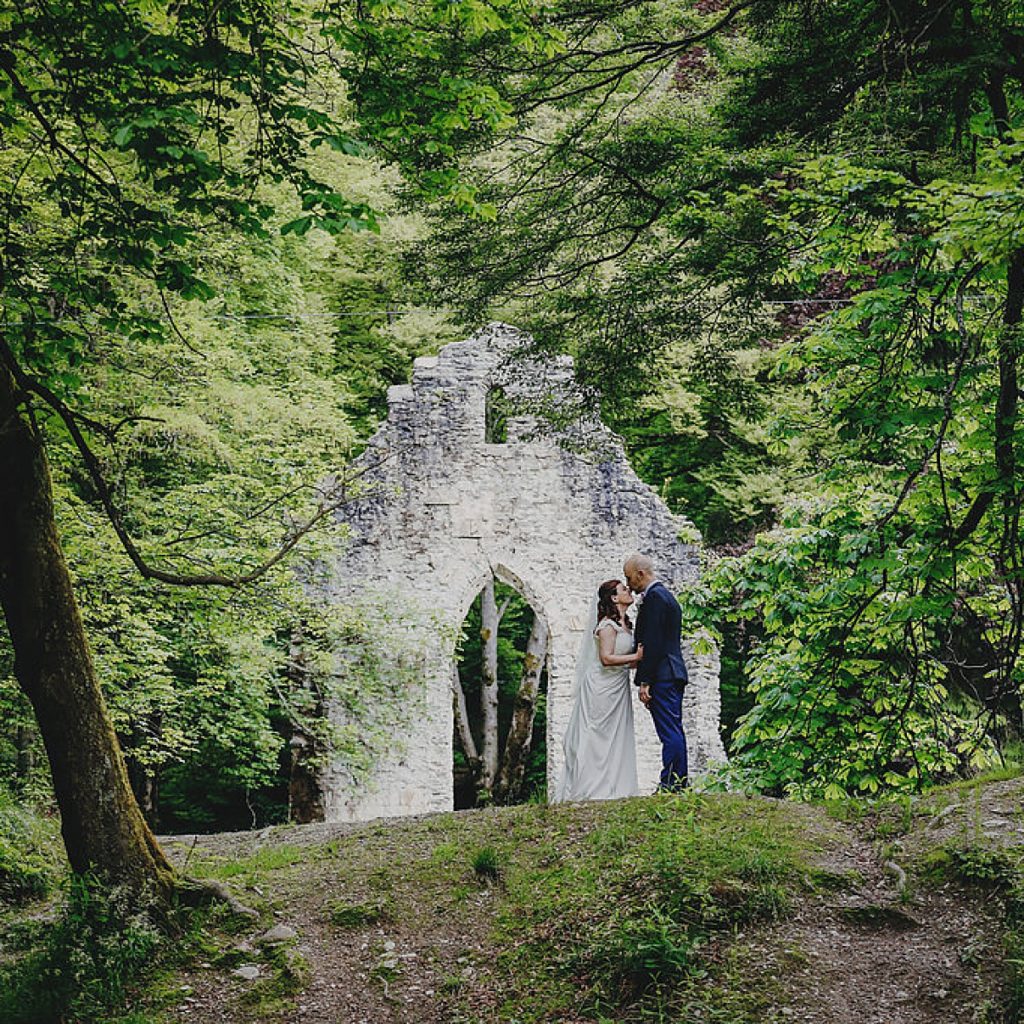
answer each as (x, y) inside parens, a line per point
(600, 756)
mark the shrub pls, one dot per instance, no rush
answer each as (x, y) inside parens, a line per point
(27, 861)
(98, 950)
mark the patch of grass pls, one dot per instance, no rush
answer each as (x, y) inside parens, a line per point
(346, 914)
(266, 858)
(983, 865)
(486, 863)
(444, 854)
(825, 880)
(101, 951)
(102, 947)
(631, 954)
(287, 975)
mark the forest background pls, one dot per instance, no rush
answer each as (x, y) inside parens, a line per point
(782, 240)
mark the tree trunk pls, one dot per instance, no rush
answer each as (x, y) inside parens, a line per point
(489, 620)
(462, 722)
(23, 745)
(305, 790)
(520, 735)
(144, 782)
(1007, 420)
(103, 829)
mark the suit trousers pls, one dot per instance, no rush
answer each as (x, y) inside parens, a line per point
(666, 708)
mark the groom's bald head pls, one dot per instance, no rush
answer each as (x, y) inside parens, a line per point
(639, 572)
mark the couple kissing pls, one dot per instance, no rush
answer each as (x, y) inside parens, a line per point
(599, 744)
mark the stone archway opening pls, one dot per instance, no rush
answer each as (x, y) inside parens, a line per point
(500, 682)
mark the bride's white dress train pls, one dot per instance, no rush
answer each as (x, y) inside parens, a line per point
(599, 745)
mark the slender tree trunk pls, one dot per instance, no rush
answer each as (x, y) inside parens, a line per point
(305, 790)
(144, 782)
(462, 722)
(489, 620)
(23, 745)
(103, 828)
(1007, 421)
(520, 735)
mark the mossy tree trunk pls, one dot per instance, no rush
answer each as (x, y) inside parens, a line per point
(104, 831)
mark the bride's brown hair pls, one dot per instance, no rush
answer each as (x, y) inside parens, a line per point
(606, 607)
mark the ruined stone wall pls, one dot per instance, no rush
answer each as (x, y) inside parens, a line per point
(446, 510)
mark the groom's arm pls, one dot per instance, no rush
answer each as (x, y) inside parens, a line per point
(654, 635)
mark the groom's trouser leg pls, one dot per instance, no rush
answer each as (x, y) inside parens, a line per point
(666, 709)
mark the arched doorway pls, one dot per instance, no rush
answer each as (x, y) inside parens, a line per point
(499, 686)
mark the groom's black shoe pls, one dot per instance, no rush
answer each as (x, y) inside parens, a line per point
(676, 787)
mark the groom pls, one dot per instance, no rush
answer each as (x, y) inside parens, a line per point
(661, 674)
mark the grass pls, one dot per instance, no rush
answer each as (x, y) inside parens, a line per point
(266, 859)
(632, 912)
(486, 863)
(86, 962)
(347, 914)
(613, 911)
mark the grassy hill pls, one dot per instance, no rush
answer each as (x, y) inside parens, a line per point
(701, 908)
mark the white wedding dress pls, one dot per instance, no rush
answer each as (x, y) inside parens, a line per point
(599, 748)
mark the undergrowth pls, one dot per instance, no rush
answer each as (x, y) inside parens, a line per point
(88, 960)
(29, 852)
(621, 925)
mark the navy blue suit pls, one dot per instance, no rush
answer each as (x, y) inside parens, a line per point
(664, 671)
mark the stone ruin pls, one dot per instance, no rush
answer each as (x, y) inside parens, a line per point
(545, 510)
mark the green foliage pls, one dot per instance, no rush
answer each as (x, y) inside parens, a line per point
(96, 954)
(635, 956)
(29, 864)
(785, 249)
(175, 324)
(985, 865)
(840, 704)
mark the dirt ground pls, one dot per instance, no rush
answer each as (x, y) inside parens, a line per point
(879, 948)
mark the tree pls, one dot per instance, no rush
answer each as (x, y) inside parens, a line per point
(520, 734)
(803, 198)
(128, 129)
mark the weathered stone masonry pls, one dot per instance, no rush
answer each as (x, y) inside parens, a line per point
(447, 510)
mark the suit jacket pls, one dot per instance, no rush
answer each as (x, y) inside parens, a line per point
(657, 628)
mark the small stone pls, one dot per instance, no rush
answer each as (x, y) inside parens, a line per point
(247, 972)
(279, 933)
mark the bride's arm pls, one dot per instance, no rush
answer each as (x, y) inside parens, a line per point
(606, 648)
